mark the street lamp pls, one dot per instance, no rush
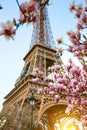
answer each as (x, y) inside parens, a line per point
(32, 102)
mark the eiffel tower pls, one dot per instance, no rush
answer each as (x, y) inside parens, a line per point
(42, 55)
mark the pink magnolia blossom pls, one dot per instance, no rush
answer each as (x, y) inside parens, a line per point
(57, 97)
(36, 80)
(71, 34)
(81, 86)
(72, 6)
(74, 82)
(46, 90)
(51, 86)
(38, 72)
(68, 67)
(84, 18)
(71, 49)
(79, 26)
(78, 14)
(78, 35)
(60, 40)
(69, 99)
(46, 80)
(35, 19)
(84, 117)
(74, 37)
(40, 91)
(84, 102)
(79, 8)
(84, 120)
(74, 41)
(55, 68)
(75, 70)
(56, 76)
(28, 12)
(63, 80)
(59, 87)
(69, 109)
(51, 93)
(7, 30)
(76, 94)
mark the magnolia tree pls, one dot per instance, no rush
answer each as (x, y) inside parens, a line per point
(68, 82)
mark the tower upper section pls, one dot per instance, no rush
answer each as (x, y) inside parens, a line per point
(42, 31)
(42, 51)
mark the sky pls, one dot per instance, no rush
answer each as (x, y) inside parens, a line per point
(12, 52)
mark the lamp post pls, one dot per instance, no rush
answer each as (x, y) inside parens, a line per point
(32, 102)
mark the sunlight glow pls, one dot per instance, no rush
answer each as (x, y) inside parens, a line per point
(71, 124)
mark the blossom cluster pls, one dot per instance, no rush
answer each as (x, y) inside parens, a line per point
(28, 14)
(80, 14)
(69, 83)
(78, 40)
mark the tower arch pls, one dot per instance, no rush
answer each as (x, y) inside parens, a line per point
(56, 119)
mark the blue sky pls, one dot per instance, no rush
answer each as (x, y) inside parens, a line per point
(13, 51)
